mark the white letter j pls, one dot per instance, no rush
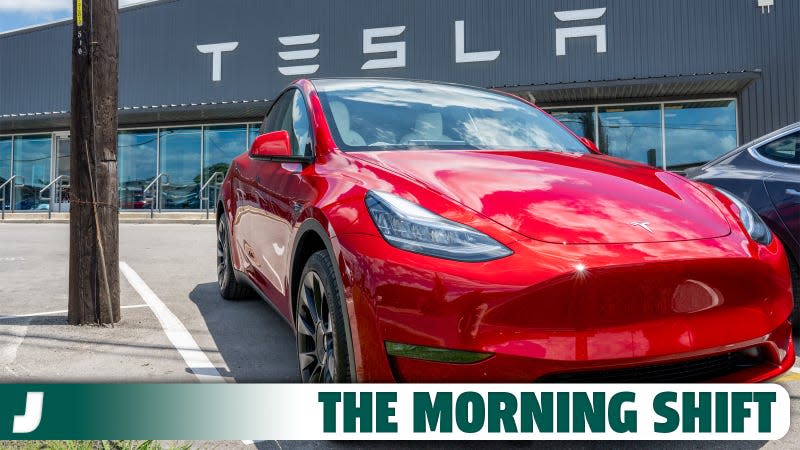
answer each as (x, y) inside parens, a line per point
(33, 414)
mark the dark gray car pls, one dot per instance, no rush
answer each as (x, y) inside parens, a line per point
(765, 173)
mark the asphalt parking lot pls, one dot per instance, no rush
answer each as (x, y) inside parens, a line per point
(244, 341)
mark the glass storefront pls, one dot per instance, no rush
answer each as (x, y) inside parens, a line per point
(697, 132)
(580, 120)
(253, 133)
(137, 153)
(631, 132)
(180, 160)
(220, 145)
(32, 160)
(5, 168)
(187, 155)
(687, 133)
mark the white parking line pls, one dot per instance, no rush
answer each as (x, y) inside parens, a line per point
(195, 359)
(63, 311)
(11, 340)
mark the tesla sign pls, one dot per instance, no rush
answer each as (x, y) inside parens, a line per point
(298, 54)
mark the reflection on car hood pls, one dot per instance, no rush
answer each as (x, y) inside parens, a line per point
(564, 197)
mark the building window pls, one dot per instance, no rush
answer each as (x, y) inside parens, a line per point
(220, 145)
(32, 160)
(631, 132)
(580, 120)
(187, 155)
(5, 169)
(137, 154)
(179, 151)
(688, 133)
(697, 132)
(252, 134)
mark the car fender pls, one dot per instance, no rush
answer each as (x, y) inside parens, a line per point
(312, 225)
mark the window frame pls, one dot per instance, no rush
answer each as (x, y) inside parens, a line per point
(305, 159)
(662, 104)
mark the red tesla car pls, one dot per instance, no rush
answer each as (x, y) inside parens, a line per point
(414, 231)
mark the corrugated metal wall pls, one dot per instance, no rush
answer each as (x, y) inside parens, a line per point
(160, 64)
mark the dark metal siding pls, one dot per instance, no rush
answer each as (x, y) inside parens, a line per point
(646, 39)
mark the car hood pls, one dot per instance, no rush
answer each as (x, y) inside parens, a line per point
(567, 198)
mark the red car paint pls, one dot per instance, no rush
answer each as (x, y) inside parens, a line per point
(580, 293)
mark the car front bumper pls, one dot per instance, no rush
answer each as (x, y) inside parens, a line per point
(704, 310)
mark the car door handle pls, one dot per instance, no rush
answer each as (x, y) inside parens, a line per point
(793, 192)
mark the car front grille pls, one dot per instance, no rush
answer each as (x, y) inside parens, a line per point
(691, 371)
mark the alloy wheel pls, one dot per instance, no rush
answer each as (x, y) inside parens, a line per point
(315, 332)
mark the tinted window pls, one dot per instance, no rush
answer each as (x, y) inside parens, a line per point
(631, 132)
(785, 149)
(697, 132)
(300, 132)
(397, 115)
(274, 120)
(180, 160)
(290, 114)
(579, 120)
(32, 161)
(136, 166)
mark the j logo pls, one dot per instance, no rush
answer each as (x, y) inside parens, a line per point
(33, 414)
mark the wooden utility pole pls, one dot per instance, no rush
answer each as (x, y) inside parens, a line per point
(94, 214)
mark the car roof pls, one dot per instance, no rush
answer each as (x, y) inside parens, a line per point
(326, 82)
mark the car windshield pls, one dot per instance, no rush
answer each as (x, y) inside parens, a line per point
(369, 115)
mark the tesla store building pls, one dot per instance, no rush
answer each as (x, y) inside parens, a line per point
(672, 83)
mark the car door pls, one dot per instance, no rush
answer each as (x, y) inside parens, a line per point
(783, 186)
(282, 193)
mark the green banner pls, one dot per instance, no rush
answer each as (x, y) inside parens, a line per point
(379, 412)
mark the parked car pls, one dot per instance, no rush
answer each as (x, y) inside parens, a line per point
(413, 231)
(765, 174)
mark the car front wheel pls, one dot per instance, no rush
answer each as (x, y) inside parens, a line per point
(322, 344)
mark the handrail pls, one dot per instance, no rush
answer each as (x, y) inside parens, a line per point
(59, 179)
(13, 177)
(56, 180)
(217, 178)
(150, 186)
(155, 180)
(3, 195)
(214, 176)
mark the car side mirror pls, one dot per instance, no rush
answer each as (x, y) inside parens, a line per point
(589, 144)
(272, 145)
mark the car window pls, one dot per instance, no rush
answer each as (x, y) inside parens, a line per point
(301, 127)
(399, 115)
(274, 119)
(290, 114)
(785, 149)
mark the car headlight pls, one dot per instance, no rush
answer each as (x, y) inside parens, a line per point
(752, 222)
(411, 227)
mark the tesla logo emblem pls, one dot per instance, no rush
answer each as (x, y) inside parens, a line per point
(644, 225)
(595, 31)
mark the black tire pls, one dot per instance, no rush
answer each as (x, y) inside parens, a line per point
(229, 287)
(322, 345)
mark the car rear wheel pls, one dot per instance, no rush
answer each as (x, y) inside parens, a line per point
(322, 345)
(229, 287)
